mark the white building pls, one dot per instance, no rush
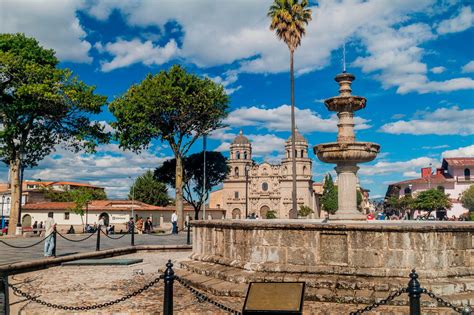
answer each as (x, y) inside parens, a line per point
(260, 188)
(454, 177)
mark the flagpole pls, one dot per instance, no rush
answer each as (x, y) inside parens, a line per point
(204, 177)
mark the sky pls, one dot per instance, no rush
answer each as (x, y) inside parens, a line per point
(413, 61)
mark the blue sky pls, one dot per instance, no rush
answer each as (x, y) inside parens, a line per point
(413, 60)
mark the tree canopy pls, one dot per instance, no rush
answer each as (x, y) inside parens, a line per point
(148, 189)
(194, 192)
(431, 200)
(467, 198)
(329, 198)
(41, 106)
(71, 194)
(172, 106)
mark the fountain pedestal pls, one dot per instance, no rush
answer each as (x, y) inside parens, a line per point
(347, 196)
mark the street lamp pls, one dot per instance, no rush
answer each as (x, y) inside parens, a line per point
(247, 169)
(133, 197)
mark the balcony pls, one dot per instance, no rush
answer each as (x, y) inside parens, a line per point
(464, 179)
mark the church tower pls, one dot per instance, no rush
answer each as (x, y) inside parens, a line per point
(240, 157)
(303, 162)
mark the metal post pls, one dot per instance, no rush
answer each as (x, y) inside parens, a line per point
(54, 242)
(168, 297)
(97, 246)
(204, 178)
(3, 219)
(246, 191)
(188, 239)
(4, 290)
(414, 292)
(132, 234)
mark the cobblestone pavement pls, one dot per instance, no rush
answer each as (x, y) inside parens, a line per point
(11, 255)
(87, 285)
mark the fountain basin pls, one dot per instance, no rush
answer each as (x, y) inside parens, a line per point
(345, 103)
(354, 152)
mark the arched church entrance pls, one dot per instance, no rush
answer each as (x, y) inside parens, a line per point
(26, 220)
(105, 217)
(236, 213)
(263, 212)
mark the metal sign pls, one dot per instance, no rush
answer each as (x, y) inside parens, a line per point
(274, 298)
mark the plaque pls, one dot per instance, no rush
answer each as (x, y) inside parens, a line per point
(274, 298)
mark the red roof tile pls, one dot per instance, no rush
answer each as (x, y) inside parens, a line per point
(459, 161)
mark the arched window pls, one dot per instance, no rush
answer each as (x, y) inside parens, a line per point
(467, 174)
(305, 169)
(264, 186)
(407, 190)
(236, 171)
(285, 170)
(302, 153)
(296, 153)
(440, 188)
(245, 155)
(287, 153)
(237, 155)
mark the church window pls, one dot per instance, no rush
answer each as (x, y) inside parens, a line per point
(264, 186)
(304, 170)
(245, 155)
(302, 153)
(296, 153)
(236, 195)
(236, 171)
(238, 155)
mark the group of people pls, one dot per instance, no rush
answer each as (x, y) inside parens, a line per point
(142, 226)
(416, 215)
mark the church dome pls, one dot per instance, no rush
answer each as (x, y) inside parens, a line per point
(298, 137)
(241, 139)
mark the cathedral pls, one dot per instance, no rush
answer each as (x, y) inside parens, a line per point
(257, 189)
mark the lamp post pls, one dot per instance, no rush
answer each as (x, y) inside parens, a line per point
(133, 198)
(22, 168)
(247, 169)
(3, 218)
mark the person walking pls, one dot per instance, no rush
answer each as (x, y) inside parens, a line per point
(174, 222)
(140, 226)
(49, 226)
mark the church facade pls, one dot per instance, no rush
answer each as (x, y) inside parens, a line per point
(252, 188)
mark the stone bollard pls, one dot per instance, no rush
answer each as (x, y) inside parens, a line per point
(414, 292)
(97, 245)
(168, 296)
(132, 234)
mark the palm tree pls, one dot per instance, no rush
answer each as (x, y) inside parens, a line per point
(289, 19)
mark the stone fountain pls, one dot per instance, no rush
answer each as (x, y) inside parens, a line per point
(346, 153)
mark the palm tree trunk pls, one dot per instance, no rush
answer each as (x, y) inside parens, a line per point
(179, 191)
(294, 211)
(15, 197)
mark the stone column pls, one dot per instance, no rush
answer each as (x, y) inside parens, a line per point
(347, 193)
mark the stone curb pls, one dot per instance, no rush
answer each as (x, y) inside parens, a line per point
(48, 262)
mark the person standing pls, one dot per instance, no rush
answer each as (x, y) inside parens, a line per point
(35, 227)
(49, 226)
(140, 226)
(174, 221)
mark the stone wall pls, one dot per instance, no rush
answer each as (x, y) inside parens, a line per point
(356, 249)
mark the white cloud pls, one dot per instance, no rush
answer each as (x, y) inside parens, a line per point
(460, 152)
(468, 67)
(278, 119)
(404, 168)
(227, 79)
(109, 168)
(459, 23)
(443, 121)
(263, 145)
(53, 23)
(126, 53)
(442, 146)
(438, 70)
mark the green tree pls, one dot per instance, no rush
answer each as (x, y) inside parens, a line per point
(304, 211)
(431, 200)
(149, 190)
(69, 195)
(172, 106)
(329, 198)
(467, 198)
(41, 106)
(194, 192)
(289, 19)
(271, 214)
(81, 198)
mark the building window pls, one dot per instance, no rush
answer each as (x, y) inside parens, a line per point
(50, 214)
(265, 186)
(302, 153)
(238, 155)
(236, 171)
(236, 194)
(245, 155)
(66, 215)
(467, 174)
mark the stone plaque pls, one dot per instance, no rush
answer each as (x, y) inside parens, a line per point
(274, 298)
(333, 249)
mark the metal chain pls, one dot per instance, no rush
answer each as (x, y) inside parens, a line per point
(28, 246)
(76, 241)
(381, 302)
(442, 302)
(204, 298)
(88, 307)
(114, 238)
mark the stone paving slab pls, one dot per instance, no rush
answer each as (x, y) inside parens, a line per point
(104, 261)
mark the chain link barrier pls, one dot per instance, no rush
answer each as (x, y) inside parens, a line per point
(114, 238)
(28, 246)
(87, 307)
(204, 298)
(459, 309)
(381, 302)
(75, 241)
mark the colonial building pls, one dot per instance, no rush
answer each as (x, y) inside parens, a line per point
(252, 188)
(453, 178)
